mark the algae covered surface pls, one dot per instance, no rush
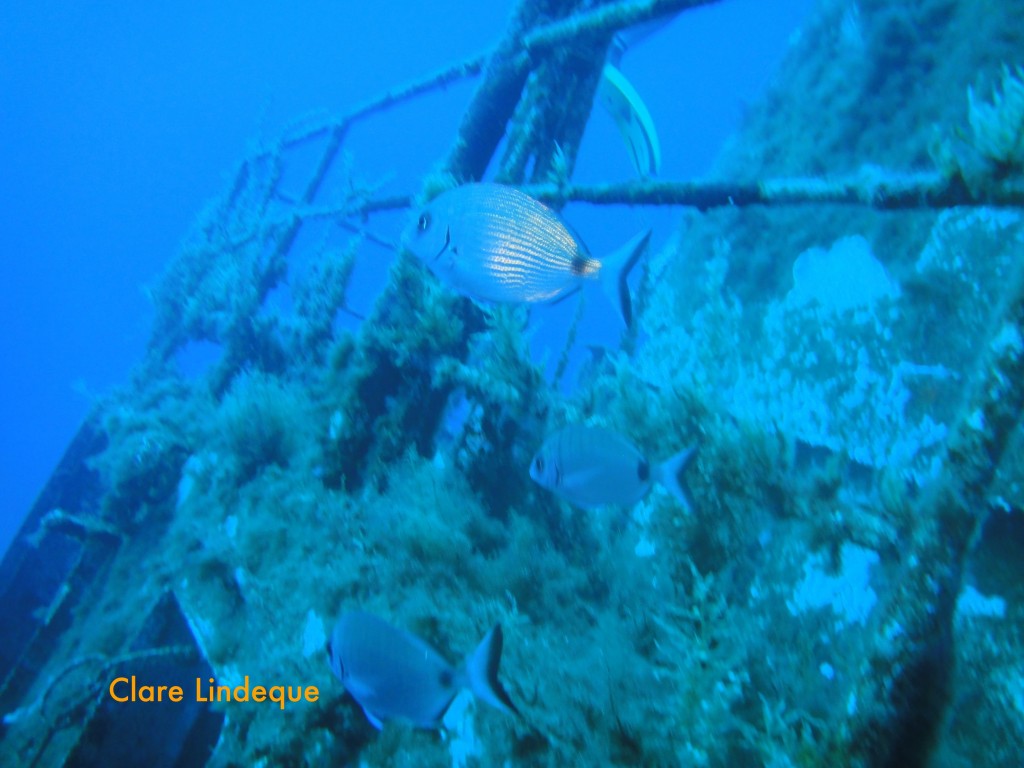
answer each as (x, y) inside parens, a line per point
(846, 588)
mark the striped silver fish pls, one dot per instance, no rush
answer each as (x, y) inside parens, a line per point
(591, 467)
(493, 243)
(395, 675)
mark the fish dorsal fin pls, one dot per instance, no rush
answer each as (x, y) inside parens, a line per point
(482, 671)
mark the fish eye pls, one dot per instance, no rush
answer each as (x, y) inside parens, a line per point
(424, 223)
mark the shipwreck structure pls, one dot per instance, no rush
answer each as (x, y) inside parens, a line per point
(847, 589)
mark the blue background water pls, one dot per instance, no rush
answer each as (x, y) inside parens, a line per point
(120, 121)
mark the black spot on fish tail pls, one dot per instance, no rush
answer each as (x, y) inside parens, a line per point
(643, 470)
(579, 266)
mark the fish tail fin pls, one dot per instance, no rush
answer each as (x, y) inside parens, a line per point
(482, 671)
(375, 721)
(670, 474)
(615, 269)
(633, 119)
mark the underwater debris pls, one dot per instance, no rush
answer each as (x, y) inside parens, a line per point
(880, 189)
(846, 276)
(76, 722)
(886, 191)
(73, 525)
(848, 592)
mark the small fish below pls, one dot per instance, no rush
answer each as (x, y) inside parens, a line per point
(395, 675)
(592, 467)
(494, 243)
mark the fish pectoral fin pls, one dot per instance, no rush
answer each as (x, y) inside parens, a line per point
(557, 297)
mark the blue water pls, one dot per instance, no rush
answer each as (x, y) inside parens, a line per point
(120, 122)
